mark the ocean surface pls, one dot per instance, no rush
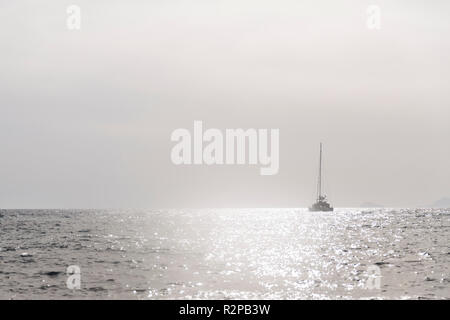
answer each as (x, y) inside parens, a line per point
(226, 254)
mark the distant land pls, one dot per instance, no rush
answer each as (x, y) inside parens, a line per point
(370, 205)
(441, 203)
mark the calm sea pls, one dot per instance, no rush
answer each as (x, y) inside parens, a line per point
(226, 254)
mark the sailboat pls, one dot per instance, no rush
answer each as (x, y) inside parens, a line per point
(321, 203)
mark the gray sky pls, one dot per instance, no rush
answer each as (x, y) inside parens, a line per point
(86, 116)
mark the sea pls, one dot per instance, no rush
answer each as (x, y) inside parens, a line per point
(225, 254)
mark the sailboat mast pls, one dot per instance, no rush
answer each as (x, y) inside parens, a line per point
(319, 183)
(321, 204)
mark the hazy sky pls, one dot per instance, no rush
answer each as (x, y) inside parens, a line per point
(86, 116)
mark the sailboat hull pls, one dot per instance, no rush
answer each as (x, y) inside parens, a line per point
(321, 207)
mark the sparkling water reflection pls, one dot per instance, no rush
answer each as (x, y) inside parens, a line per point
(225, 254)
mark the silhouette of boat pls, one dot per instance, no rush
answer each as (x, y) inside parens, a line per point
(321, 203)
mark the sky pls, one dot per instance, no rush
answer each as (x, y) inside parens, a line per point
(86, 115)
